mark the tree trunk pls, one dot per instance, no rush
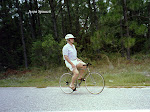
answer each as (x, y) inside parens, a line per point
(32, 21)
(148, 34)
(90, 12)
(29, 7)
(95, 16)
(91, 17)
(122, 42)
(62, 23)
(53, 15)
(77, 17)
(22, 34)
(69, 16)
(38, 19)
(126, 26)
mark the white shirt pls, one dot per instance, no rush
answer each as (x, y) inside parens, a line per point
(70, 51)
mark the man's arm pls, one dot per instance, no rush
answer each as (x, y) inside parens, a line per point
(67, 59)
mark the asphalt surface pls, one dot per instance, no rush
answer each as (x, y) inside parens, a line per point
(17, 99)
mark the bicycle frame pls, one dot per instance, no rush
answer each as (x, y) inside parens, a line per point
(88, 72)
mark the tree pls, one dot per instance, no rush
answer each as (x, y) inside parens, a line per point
(101, 26)
(53, 15)
(127, 35)
(77, 16)
(148, 34)
(95, 15)
(46, 52)
(22, 34)
(67, 2)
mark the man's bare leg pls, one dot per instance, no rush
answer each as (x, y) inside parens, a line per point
(82, 69)
(74, 77)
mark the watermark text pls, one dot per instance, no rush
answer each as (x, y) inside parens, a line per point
(39, 11)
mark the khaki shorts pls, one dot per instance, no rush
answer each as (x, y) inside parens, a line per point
(75, 62)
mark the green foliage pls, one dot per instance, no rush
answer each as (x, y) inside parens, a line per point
(142, 29)
(129, 42)
(139, 29)
(46, 52)
(97, 40)
(104, 38)
(135, 4)
(102, 28)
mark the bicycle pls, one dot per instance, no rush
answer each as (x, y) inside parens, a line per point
(94, 82)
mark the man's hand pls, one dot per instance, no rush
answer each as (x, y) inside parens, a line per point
(73, 66)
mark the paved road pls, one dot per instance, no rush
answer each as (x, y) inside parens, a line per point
(53, 99)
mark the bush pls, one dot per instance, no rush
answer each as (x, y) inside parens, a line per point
(46, 52)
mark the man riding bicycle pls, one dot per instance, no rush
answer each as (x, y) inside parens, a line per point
(72, 61)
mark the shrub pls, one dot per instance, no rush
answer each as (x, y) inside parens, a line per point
(46, 52)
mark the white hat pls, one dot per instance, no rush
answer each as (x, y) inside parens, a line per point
(68, 36)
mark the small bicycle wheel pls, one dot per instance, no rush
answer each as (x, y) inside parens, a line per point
(94, 83)
(64, 82)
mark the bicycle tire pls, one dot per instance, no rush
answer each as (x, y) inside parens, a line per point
(64, 83)
(94, 83)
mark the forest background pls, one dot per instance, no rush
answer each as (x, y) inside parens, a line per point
(113, 35)
(32, 31)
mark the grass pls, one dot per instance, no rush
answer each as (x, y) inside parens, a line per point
(117, 72)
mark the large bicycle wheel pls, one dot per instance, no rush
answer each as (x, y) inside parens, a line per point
(94, 83)
(64, 82)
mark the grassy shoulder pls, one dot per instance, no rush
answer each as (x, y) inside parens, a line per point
(116, 72)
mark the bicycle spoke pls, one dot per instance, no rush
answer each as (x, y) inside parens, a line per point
(94, 83)
(64, 82)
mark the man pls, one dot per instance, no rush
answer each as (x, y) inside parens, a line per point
(71, 60)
